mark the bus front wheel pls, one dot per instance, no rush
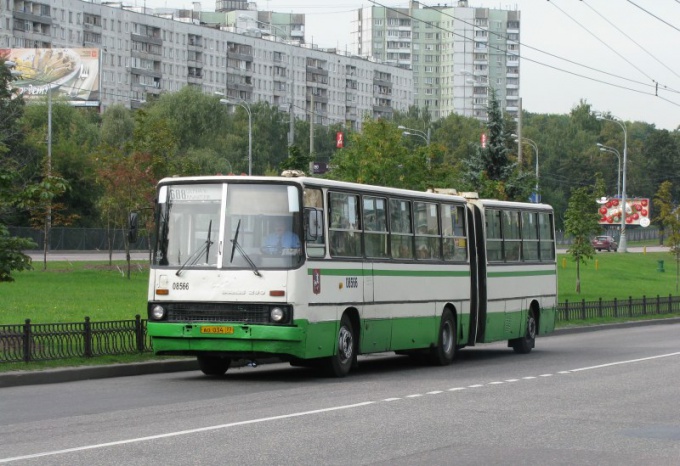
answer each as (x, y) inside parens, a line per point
(213, 365)
(341, 362)
(445, 351)
(525, 344)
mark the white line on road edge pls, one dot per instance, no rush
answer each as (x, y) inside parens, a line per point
(184, 432)
(625, 362)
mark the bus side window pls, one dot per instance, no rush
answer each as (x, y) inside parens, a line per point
(345, 229)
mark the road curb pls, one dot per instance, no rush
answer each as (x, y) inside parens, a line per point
(595, 328)
(74, 374)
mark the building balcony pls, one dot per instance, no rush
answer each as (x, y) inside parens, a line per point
(29, 16)
(239, 86)
(146, 72)
(146, 39)
(316, 71)
(239, 56)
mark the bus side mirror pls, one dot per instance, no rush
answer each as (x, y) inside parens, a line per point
(132, 227)
(313, 223)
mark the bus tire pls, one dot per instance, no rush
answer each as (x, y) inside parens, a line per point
(213, 365)
(445, 351)
(341, 362)
(525, 344)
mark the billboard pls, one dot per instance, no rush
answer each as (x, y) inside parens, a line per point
(637, 211)
(72, 74)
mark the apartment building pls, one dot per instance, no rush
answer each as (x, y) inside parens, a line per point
(143, 55)
(458, 54)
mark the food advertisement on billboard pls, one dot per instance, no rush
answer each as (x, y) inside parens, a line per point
(72, 74)
(637, 211)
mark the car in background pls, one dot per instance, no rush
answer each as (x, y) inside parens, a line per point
(607, 243)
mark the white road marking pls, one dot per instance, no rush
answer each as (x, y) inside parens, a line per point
(625, 362)
(392, 399)
(436, 392)
(185, 432)
(494, 383)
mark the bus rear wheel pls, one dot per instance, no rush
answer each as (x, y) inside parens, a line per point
(445, 351)
(341, 362)
(213, 365)
(525, 344)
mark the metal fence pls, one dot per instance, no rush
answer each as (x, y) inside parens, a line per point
(81, 239)
(638, 307)
(44, 342)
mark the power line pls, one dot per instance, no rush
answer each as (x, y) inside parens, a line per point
(631, 39)
(653, 15)
(602, 42)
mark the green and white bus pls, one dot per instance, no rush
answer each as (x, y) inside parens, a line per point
(375, 269)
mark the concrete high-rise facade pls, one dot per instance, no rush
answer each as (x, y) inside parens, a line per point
(458, 54)
(144, 55)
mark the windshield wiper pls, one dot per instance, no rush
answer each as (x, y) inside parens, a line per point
(194, 257)
(208, 243)
(236, 246)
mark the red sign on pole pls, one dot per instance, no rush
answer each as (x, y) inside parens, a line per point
(483, 140)
(339, 140)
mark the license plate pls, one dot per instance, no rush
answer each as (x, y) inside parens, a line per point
(218, 329)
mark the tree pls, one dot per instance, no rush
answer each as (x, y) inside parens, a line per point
(128, 184)
(669, 216)
(11, 109)
(295, 161)
(581, 223)
(378, 156)
(489, 170)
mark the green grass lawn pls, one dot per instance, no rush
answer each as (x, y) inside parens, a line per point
(613, 275)
(69, 291)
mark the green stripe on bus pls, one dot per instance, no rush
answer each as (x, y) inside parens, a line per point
(392, 273)
(523, 273)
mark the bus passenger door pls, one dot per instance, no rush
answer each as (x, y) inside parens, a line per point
(376, 329)
(478, 293)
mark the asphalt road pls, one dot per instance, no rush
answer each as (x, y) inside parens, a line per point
(591, 398)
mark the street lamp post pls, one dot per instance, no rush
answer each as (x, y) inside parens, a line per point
(245, 105)
(421, 134)
(623, 243)
(535, 146)
(611, 150)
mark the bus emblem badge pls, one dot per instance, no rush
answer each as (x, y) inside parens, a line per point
(316, 281)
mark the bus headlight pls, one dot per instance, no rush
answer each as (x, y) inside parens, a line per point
(277, 314)
(157, 312)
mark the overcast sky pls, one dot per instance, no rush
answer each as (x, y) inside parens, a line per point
(625, 51)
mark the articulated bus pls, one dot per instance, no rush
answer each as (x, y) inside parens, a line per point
(373, 269)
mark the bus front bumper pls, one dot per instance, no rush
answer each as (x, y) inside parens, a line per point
(233, 340)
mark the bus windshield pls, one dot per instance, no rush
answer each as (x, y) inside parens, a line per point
(228, 225)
